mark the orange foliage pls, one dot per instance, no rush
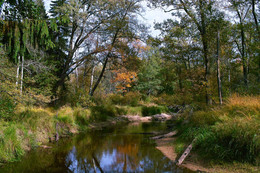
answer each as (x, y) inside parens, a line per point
(124, 79)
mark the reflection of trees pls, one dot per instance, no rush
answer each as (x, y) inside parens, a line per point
(127, 147)
(124, 149)
(88, 152)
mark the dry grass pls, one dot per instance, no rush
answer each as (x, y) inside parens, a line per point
(248, 101)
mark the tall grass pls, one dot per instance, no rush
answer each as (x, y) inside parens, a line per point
(230, 132)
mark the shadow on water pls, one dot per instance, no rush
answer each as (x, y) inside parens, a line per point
(125, 148)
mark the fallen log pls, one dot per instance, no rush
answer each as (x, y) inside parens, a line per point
(185, 154)
(165, 135)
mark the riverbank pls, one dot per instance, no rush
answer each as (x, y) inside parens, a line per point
(195, 163)
(225, 138)
(32, 127)
(220, 132)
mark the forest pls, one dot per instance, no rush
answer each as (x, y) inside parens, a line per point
(84, 61)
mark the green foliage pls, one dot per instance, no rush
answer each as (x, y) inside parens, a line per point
(7, 107)
(152, 110)
(130, 98)
(116, 99)
(121, 111)
(148, 78)
(81, 117)
(102, 112)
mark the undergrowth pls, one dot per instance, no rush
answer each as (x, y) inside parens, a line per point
(230, 132)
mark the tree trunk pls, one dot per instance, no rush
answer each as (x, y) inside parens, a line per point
(244, 61)
(207, 71)
(21, 87)
(203, 32)
(92, 78)
(180, 81)
(218, 71)
(100, 76)
(255, 17)
(77, 78)
(17, 72)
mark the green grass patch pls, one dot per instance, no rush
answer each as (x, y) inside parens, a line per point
(152, 110)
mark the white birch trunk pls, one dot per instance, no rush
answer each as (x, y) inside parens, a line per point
(17, 72)
(21, 87)
(218, 71)
(92, 78)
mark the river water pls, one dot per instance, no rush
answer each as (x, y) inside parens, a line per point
(123, 148)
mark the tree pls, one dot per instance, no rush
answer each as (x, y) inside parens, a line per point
(24, 30)
(242, 8)
(83, 23)
(148, 77)
(200, 13)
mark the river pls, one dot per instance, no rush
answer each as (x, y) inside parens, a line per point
(122, 148)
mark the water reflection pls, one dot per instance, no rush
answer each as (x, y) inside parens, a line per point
(121, 149)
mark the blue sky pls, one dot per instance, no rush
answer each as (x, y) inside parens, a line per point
(150, 16)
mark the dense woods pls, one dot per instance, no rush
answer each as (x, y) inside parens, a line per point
(89, 59)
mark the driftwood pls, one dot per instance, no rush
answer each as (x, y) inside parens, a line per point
(45, 146)
(185, 154)
(165, 135)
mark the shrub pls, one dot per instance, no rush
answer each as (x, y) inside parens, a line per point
(116, 99)
(171, 100)
(152, 110)
(132, 98)
(121, 111)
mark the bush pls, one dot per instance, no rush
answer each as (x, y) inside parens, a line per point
(171, 100)
(152, 110)
(130, 98)
(116, 99)
(121, 111)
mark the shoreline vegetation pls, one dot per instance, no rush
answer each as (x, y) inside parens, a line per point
(235, 146)
(89, 64)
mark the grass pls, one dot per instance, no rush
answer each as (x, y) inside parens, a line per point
(32, 126)
(152, 110)
(229, 133)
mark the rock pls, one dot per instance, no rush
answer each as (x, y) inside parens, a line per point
(162, 117)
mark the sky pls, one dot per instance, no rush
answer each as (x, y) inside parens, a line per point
(150, 16)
